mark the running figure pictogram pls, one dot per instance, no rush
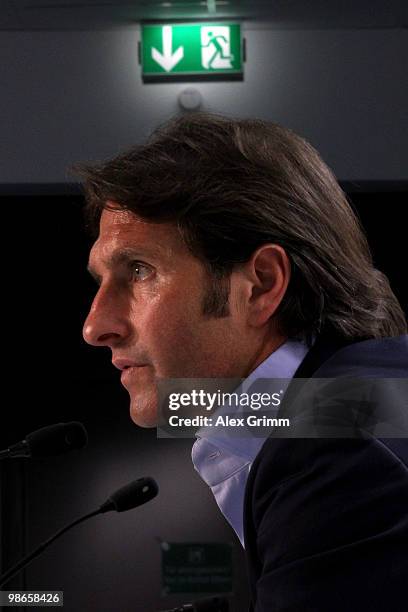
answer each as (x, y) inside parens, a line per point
(216, 48)
(219, 50)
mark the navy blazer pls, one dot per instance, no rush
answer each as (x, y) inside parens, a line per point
(326, 520)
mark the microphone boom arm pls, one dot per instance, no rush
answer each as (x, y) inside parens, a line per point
(4, 578)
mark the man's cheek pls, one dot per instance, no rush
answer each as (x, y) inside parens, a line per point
(171, 325)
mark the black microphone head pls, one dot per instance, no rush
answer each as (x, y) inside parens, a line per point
(134, 494)
(57, 439)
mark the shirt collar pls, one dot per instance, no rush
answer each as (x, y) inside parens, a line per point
(281, 364)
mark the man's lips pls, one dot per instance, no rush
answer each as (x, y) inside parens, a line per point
(129, 373)
(128, 368)
(123, 364)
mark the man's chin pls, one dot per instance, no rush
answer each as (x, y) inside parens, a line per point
(143, 416)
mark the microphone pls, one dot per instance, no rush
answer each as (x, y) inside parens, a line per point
(211, 604)
(136, 493)
(130, 496)
(48, 441)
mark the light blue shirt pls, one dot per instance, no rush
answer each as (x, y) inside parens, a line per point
(224, 462)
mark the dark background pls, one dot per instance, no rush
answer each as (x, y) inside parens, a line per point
(51, 375)
(47, 293)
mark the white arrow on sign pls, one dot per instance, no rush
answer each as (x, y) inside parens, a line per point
(167, 59)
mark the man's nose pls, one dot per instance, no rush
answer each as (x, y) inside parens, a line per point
(106, 323)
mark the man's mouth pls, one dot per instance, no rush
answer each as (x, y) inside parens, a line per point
(129, 372)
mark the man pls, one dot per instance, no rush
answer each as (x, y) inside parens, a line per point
(226, 249)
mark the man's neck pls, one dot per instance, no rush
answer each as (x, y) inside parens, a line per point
(270, 345)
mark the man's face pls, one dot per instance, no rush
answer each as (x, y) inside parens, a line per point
(148, 310)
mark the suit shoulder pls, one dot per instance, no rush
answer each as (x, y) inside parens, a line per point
(359, 460)
(383, 357)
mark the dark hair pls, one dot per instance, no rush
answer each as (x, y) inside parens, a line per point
(232, 185)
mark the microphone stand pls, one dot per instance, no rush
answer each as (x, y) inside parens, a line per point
(4, 578)
(132, 495)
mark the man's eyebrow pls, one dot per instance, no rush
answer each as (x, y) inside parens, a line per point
(118, 257)
(124, 255)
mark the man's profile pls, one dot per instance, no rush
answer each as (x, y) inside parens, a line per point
(226, 248)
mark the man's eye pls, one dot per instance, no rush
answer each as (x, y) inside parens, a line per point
(140, 271)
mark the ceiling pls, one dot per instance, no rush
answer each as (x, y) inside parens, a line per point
(279, 14)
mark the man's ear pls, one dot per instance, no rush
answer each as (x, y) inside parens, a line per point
(268, 274)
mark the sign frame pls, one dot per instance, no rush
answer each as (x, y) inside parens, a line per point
(197, 568)
(149, 76)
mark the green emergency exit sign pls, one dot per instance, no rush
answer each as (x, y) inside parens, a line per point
(199, 49)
